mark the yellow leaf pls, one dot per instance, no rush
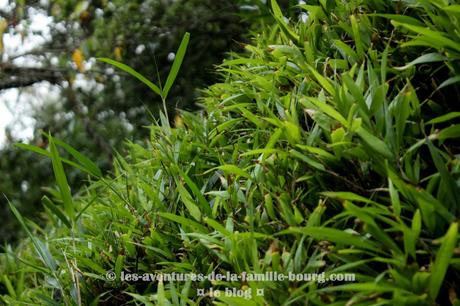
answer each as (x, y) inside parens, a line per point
(78, 59)
(3, 27)
(178, 121)
(117, 53)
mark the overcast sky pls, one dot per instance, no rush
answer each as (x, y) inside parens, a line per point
(14, 107)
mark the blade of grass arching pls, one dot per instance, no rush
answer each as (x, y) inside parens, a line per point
(41, 249)
(61, 180)
(361, 287)
(184, 221)
(327, 109)
(9, 286)
(173, 292)
(394, 197)
(400, 18)
(186, 198)
(357, 36)
(280, 20)
(308, 160)
(314, 219)
(176, 64)
(373, 228)
(446, 178)
(444, 118)
(218, 227)
(434, 38)
(346, 51)
(357, 94)
(324, 82)
(411, 234)
(334, 235)
(426, 58)
(345, 195)
(450, 132)
(83, 160)
(93, 199)
(119, 265)
(375, 143)
(443, 256)
(43, 152)
(185, 292)
(231, 169)
(448, 82)
(201, 199)
(132, 72)
(56, 211)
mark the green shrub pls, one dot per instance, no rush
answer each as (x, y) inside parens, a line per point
(321, 151)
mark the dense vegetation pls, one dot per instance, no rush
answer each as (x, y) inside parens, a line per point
(94, 107)
(331, 145)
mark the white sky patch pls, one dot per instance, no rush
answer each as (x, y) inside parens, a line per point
(14, 111)
(3, 4)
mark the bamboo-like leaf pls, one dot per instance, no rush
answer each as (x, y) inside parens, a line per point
(324, 82)
(444, 118)
(375, 143)
(61, 180)
(176, 64)
(232, 169)
(449, 81)
(394, 196)
(334, 235)
(328, 110)
(201, 199)
(426, 58)
(40, 247)
(43, 152)
(434, 38)
(357, 36)
(188, 202)
(218, 227)
(346, 50)
(345, 195)
(83, 160)
(280, 20)
(184, 221)
(450, 132)
(119, 265)
(401, 18)
(308, 160)
(132, 72)
(443, 256)
(451, 187)
(55, 210)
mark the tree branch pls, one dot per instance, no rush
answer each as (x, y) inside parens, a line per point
(13, 76)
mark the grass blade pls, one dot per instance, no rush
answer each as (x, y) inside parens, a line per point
(61, 179)
(132, 72)
(443, 257)
(176, 64)
(54, 209)
(41, 249)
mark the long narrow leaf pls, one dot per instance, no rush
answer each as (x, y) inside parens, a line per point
(176, 64)
(61, 179)
(132, 72)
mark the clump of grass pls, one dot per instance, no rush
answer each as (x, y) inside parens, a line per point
(331, 146)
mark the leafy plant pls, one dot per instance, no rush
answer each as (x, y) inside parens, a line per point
(322, 151)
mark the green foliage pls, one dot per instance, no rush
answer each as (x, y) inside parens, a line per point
(316, 154)
(97, 107)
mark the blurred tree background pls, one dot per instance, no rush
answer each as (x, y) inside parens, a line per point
(97, 108)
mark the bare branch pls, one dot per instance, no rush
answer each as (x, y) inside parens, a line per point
(14, 76)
